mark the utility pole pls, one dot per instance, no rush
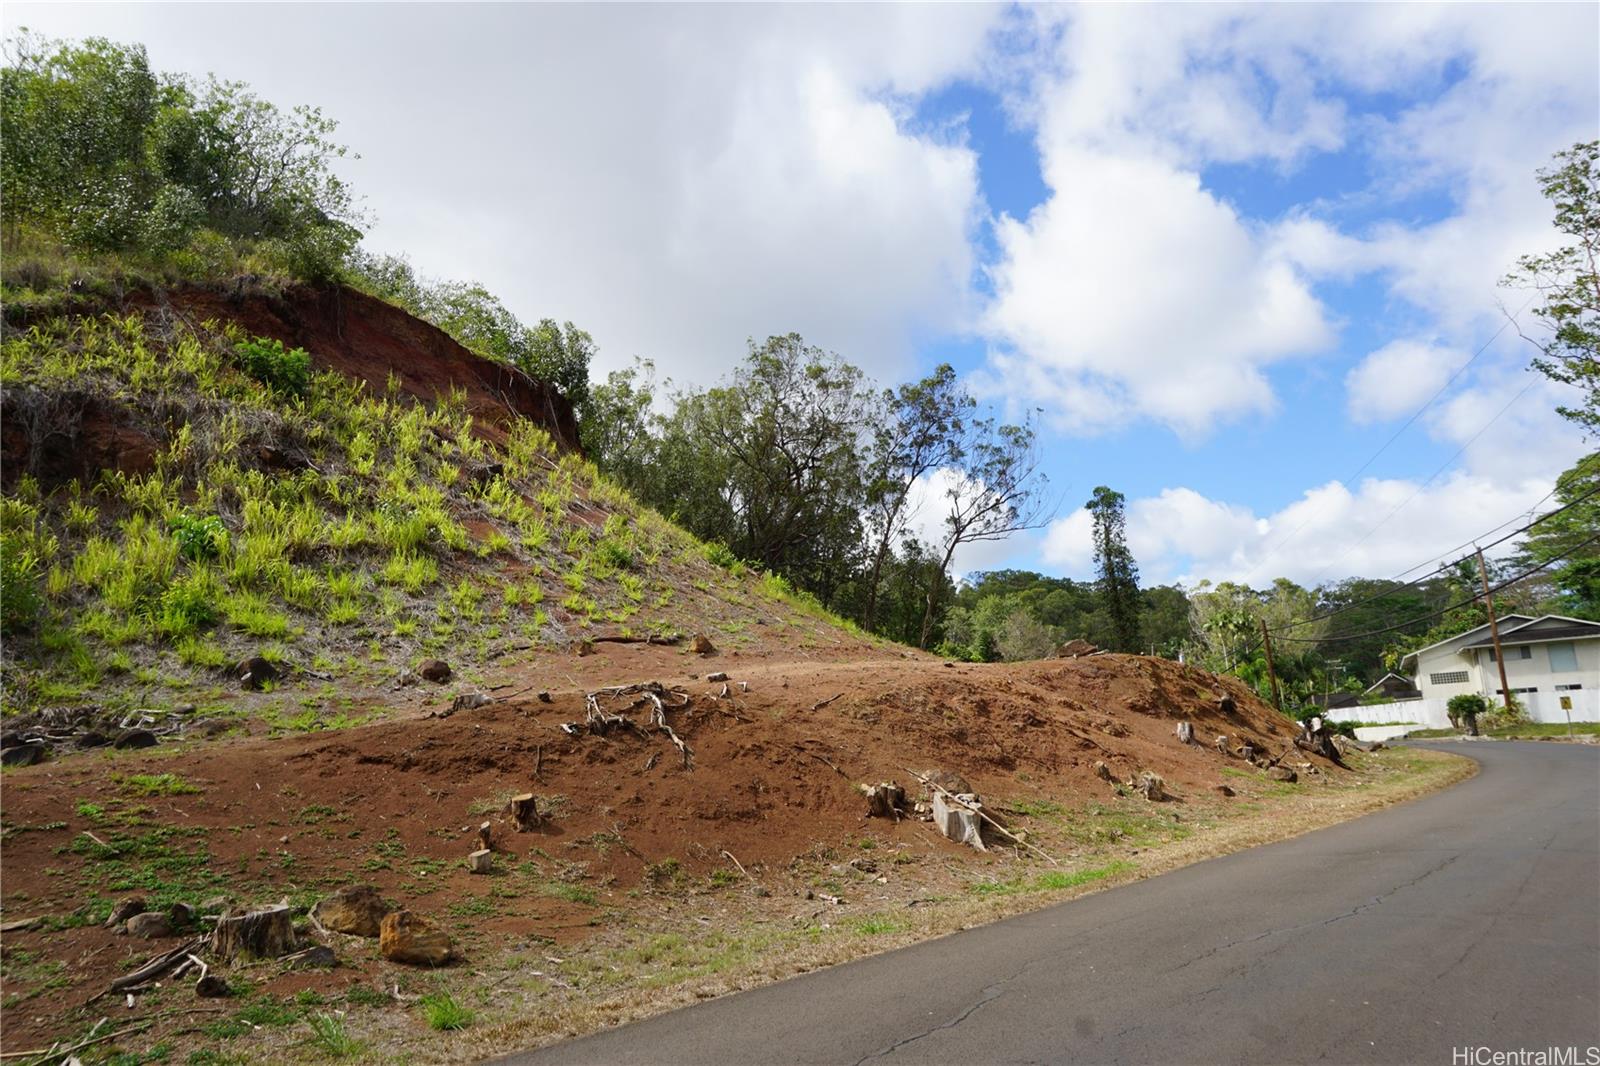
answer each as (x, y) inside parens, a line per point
(1277, 700)
(1494, 632)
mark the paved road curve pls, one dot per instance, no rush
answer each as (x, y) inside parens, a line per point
(1470, 918)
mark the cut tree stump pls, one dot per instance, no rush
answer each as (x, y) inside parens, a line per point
(525, 810)
(485, 836)
(260, 934)
(481, 862)
(1185, 732)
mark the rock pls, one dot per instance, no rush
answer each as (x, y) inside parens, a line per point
(93, 739)
(22, 755)
(254, 672)
(1225, 790)
(1283, 773)
(1376, 745)
(701, 645)
(357, 910)
(1226, 705)
(1102, 771)
(544, 697)
(407, 677)
(411, 938)
(435, 670)
(313, 958)
(149, 925)
(212, 986)
(124, 909)
(185, 708)
(585, 647)
(718, 676)
(180, 915)
(136, 738)
(216, 904)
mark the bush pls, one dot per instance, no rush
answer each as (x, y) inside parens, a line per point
(284, 370)
(1503, 718)
(1464, 710)
(719, 554)
(189, 605)
(199, 537)
(20, 602)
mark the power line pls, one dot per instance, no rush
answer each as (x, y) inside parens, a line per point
(1417, 581)
(1448, 607)
(1510, 320)
(1418, 490)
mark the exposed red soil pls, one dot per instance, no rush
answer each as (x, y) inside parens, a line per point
(342, 329)
(761, 786)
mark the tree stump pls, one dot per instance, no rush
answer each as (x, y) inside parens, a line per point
(1185, 732)
(525, 810)
(486, 836)
(481, 862)
(260, 934)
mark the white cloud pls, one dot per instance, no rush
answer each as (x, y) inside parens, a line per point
(1397, 379)
(673, 178)
(1181, 535)
(1136, 292)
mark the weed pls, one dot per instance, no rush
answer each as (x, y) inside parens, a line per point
(167, 784)
(329, 1036)
(444, 1012)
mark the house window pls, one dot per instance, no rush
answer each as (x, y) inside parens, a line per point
(1523, 652)
(1563, 657)
(1515, 691)
(1449, 677)
(1568, 688)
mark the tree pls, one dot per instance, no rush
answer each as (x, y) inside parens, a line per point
(1118, 580)
(617, 426)
(1575, 573)
(1567, 282)
(995, 493)
(920, 432)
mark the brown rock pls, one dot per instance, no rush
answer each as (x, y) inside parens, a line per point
(435, 670)
(948, 780)
(22, 755)
(254, 672)
(357, 910)
(1225, 790)
(701, 645)
(212, 986)
(136, 738)
(149, 925)
(125, 908)
(411, 938)
(1283, 773)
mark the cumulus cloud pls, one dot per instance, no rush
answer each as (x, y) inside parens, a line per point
(673, 178)
(1134, 292)
(1397, 379)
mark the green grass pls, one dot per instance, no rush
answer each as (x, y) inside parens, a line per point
(1050, 881)
(444, 1012)
(329, 1036)
(1532, 729)
(168, 784)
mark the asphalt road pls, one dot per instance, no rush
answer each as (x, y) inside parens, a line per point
(1470, 918)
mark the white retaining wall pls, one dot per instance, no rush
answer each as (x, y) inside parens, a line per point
(1430, 714)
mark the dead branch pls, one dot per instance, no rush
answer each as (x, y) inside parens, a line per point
(819, 758)
(155, 967)
(737, 863)
(65, 1052)
(823, 703)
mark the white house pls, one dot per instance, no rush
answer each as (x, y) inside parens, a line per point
(1552, 654)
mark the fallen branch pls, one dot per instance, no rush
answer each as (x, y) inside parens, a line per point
(1008, 834)
(823, 703)
(737, 863)
(155, 967)
(64, 1052)
(670, 638)
(825, 762)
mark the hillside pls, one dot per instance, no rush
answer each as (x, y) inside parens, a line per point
(413, 500)
(183, 499)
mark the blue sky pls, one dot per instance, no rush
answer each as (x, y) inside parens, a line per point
(1225, 251)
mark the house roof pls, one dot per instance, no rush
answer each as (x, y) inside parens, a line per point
(1522, 619)
(1573, 629)
(1406, 681)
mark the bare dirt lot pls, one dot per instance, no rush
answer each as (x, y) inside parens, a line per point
(653, 879)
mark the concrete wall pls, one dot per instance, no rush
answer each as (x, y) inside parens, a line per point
(1543, 706)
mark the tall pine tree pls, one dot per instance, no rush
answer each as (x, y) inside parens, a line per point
(1118, 577)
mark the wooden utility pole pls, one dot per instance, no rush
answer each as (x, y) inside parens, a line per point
(1277, 700)
(1494, 631)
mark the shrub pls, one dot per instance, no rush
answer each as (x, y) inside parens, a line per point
(189, 605)
(1464, 710)
(20, 601)
(199, 537)
(719, 554)
(284, 370)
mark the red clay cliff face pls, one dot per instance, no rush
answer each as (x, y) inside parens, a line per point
(363, 337)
